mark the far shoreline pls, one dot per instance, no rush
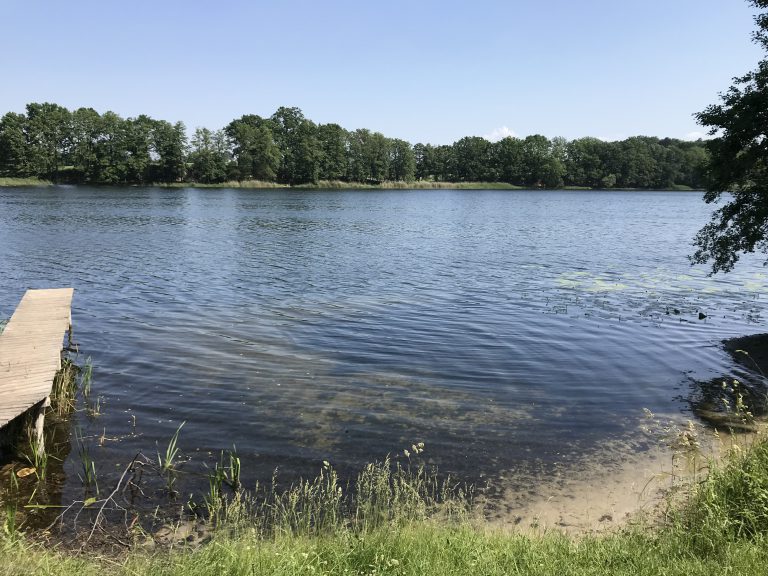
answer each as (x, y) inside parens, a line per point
(337, 185)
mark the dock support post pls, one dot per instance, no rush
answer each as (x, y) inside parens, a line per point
(40, 424)
(69, 332)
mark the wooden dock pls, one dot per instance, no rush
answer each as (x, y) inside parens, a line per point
(30, 352)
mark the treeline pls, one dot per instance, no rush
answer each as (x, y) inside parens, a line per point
(51, 142)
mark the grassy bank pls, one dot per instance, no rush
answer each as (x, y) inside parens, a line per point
(342, 185)
(415, 185)
(425, 549)
(401, 528)
(11, 182)
(336, 185)
(397, 185)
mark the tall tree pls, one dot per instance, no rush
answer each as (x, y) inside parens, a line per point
(508, 160)
(472, 155)
(86, 123)
(739, 164)
(137, 143)
(402, 163)
(13, 146)
(169, 147)
(48, 129)
(586, 162)
(111, 150)
(424, 156)
(333, 141)
(257, 155)
(541, 165)
(369, 156)
(209, 156)
(444, 162)
(695, 160)
(299, 146)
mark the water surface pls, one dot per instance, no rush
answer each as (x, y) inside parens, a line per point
(508, 331)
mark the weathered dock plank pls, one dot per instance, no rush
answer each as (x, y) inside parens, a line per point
(30, 350)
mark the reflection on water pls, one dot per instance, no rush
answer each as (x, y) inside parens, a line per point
(509, 331)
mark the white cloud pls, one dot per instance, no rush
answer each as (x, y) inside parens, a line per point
(696, 135)
(612, 138)
(499, 134)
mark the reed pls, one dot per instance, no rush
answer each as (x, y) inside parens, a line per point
(11, 503)
(87, 473)
(37, 456)
(167, 460)
(86, 378)
(64, 389)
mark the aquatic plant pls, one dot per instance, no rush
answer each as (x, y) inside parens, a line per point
(167, 460)
(87, 473)
(10, 529)
(86, 377)
(64, 387)
(37, 457)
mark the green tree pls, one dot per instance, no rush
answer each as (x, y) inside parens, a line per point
(542, 162)
(13, 145)
(209, 157)
(169, 150)
(402, 162)
(444, 162)
(333, 141)
(472, 155)
(369, 156)
(264, 154)
(508, 160)
(635, 163)
(738, 165)
(137, 142)
(48, 134)
(110, 149)
(299, 146)
(585, 163)
(305, 154)
(257, 156)
(695, 160)
(424, 157)
(86, 126)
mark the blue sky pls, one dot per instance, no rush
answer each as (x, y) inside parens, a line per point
(425, 71)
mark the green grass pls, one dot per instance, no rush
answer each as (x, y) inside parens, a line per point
(423, 549)
(681, 188)
(387, 185)
(334, 185)
(399, 526)
(413, 185)
(10, 182)
(252, 184)
(732, 504)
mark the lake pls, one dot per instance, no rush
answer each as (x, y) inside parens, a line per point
(510, 331)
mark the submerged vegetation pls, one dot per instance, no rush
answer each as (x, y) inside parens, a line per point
(394, 517)
(55, 144)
